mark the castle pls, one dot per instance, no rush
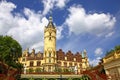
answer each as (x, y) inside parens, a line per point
(52, 60)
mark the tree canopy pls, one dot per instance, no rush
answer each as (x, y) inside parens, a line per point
(116, 48)
(10, 50)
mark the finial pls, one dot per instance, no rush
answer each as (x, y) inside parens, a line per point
(85, 53)
(50, 17)
(85, 50)
(27, 50)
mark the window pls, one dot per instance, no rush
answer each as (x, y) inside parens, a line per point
(59, 63)
(23, 59)
(38, 63)
(80, 65)
(49, 60)
(31, 63)
(70, 64)
(61, 58)
(49, 68)
(65, 64)
(50, 54)
(75, 64)
(65, 58)
(49, 38)
(74, 59)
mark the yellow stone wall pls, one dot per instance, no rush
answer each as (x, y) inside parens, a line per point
(111, 64)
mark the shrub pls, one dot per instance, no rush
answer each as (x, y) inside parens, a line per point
(31, 70)
(38, 70)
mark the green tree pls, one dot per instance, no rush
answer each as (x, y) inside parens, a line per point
(117, 47)
(10, 51)
(109, 52)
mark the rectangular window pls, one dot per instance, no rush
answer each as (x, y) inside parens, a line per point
(70, 64)
(65, 58)
(31, 63)
(65, 64)
(38, 63)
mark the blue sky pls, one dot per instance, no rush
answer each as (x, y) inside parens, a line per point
(93, 25)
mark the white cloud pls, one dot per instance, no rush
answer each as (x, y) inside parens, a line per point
(59, 32)
(98, 51)
(109, 34)
(79, 22)
(95, 61)
(50, 4)
(6, 19)
(37, 46)
(61, 3)
(27, 29)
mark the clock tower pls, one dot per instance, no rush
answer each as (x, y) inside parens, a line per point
(49, 55)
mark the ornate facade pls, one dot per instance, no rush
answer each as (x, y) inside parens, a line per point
(51, 60)
(111, 64)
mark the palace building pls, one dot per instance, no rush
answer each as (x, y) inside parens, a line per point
(111, 64)
(51, 59)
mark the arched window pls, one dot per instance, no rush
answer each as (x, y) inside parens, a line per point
(49, 54)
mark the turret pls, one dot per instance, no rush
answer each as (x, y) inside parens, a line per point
(85, 53)
(85, 62)
(50, 45)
